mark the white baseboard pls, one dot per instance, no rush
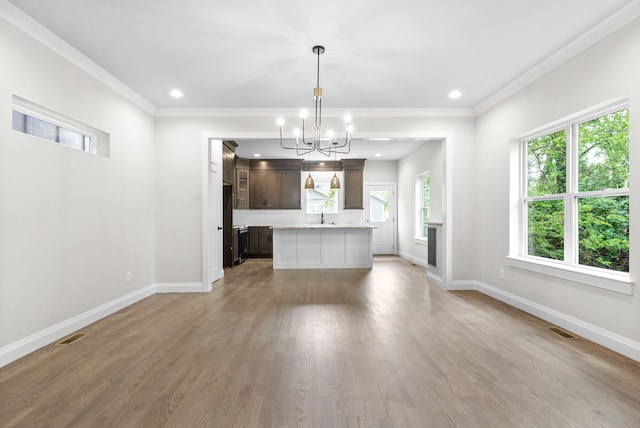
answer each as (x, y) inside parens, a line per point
(33, 342)
(436, 279)
(179, 287)
(26, 345)
(466, 285)
(413, 259)
(615, 342)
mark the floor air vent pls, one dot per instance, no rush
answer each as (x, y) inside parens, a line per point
(562, 333)
(72, 339)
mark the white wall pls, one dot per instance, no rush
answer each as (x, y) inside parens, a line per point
(376, 171)
(71, 223)
(427, 158)
(607, 70)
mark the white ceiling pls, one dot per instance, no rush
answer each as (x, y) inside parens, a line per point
(253, 54)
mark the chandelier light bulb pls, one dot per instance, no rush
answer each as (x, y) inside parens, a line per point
(347, 118)
(280, 121)
(303, 114)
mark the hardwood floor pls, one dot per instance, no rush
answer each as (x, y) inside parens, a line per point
(337, 348)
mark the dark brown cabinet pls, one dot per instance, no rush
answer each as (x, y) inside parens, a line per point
(242, 184)
(228, 162)
(266, 189)
(353, 183)
(275, 184)
(290, 189)
(260, 241)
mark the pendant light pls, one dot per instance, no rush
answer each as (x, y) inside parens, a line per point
(309, 184)
(335, 183)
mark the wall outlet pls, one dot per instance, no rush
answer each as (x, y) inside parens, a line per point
(129, 276)
(502, 274)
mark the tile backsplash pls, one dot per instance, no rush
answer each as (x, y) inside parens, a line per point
(292, 217)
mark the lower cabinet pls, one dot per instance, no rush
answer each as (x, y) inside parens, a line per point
(260, 241)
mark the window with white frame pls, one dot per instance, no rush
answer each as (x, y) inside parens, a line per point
(322, 199)
(422, 205)
(37, 121)
(575, 191)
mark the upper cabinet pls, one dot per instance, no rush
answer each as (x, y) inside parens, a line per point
(242, 183)
(353, 183)
(266, 189)
(228, 162)
(275, 184)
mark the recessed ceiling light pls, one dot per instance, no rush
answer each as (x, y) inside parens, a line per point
(176, 93)
(455, 94)
(257, 155)
(378, 155)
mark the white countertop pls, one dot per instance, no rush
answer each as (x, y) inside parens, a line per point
(323, 226)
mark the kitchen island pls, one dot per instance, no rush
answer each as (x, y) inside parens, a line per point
(322, 246)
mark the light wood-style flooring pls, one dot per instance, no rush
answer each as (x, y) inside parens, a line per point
(336, 348)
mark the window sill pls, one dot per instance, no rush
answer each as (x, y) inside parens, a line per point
(613, 281)
(420, 241)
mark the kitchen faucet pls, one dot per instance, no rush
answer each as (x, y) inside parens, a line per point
(322, 217)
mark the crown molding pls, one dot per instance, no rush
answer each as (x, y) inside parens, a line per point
(36, 30)
(603, 29)
(334, 112)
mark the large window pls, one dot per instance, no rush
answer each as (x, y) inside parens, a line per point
(576, 192)
(422, 203)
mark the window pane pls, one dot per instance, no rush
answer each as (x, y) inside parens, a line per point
(425, 220)
(72, 139)
(545, 229)
(604, 232)
(425, 205)
(604, 152)
(19, 121)
(379, 205)
(546, 164)
(425, 192)
(322, 199)
(42, 129)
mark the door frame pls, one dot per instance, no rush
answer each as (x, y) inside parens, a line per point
(446, 281)
(209, 277)
(394, 186)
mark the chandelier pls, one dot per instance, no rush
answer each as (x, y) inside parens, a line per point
(327, 143)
